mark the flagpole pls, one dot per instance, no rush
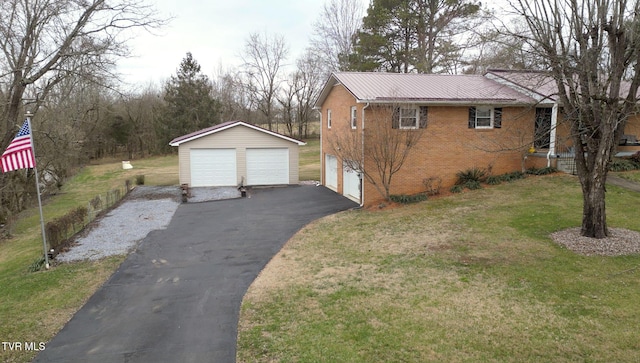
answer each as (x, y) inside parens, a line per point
(35, 169)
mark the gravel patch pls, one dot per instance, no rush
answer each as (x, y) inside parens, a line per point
(205, 194)
(118, 231)
(145, 209)
(619, 242)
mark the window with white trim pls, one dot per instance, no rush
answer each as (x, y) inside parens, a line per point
(328, 119)
(410, 117)
(354, 117)
(485, 117)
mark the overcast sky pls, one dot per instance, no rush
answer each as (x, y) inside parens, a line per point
(215, 32)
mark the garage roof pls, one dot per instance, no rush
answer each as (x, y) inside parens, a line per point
(227, 125)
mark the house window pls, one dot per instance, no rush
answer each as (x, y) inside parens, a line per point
(485, 117)
(354, 117)
(410, 117)
(328, 119)
(543, 128)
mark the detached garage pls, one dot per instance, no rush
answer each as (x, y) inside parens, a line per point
(236, 152)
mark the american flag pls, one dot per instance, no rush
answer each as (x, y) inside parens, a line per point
(19, 154)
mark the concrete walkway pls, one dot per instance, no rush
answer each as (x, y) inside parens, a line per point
(623, 183)
(177, 297)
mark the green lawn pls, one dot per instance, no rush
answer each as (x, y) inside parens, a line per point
(472, 277)
(34, 306)
(465, 278)
(630, 175)
(310, 160)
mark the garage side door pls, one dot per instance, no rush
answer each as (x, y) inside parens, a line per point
(268, 166)
(213, 167)
(331, 172)
(351, 184)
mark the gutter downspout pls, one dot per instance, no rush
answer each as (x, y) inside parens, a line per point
(319, 110)
(362, 171)
(552, 134)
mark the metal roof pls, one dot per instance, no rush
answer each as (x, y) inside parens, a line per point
(424, 88)
(540, 85)
(227, 125)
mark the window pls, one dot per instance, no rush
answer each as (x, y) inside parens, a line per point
(354, 117)
(328, 119)
(410, 117)
(485, 117)
(542, 128)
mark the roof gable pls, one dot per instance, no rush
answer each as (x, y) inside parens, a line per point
(423, 88)
(225, 126)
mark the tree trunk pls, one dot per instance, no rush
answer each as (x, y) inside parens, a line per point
(594, 217)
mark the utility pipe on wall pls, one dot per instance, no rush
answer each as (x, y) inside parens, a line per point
(362, 171)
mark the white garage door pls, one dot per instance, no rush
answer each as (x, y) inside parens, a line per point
(351, 181)
(331, 172)
(213, 167)
(267, 166)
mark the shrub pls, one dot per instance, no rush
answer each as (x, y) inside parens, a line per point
(473, 185)
(494, 180)
(542, 171)
(139, 179)
(512, 176)
(456, 189)
(61, 228)
(37, 265)
(406, 199)
(622, 165)
(432, 185)
(471, 175)
(635, 158)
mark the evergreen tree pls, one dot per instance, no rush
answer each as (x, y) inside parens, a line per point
(189, 104)
(412, 35)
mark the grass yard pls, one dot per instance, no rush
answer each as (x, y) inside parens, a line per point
(34, 306)
(472, 277)
(630, 175)
(310, 160)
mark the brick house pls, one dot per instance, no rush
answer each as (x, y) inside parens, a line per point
(463, 121)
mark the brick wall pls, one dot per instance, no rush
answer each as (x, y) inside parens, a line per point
(339, 101)
(446, 146)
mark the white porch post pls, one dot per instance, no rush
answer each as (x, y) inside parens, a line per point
(552, 135)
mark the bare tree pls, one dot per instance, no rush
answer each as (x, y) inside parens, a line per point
(334, 32)
(309, 79)
(492, 48)
(43, 43)
(263, 58)
(387, 146)
(286, 99)
(229, 90)
(592, 48)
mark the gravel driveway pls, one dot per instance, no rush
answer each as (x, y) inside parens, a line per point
(145, 209)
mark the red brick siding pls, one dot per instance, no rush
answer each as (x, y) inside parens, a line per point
(448, 146)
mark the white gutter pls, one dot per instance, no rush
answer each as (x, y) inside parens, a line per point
(321, 157)
(363, 160)
(552, 135)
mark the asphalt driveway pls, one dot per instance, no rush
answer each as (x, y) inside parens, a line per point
(177, 298)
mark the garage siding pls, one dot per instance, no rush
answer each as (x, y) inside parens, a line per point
(240, 138)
